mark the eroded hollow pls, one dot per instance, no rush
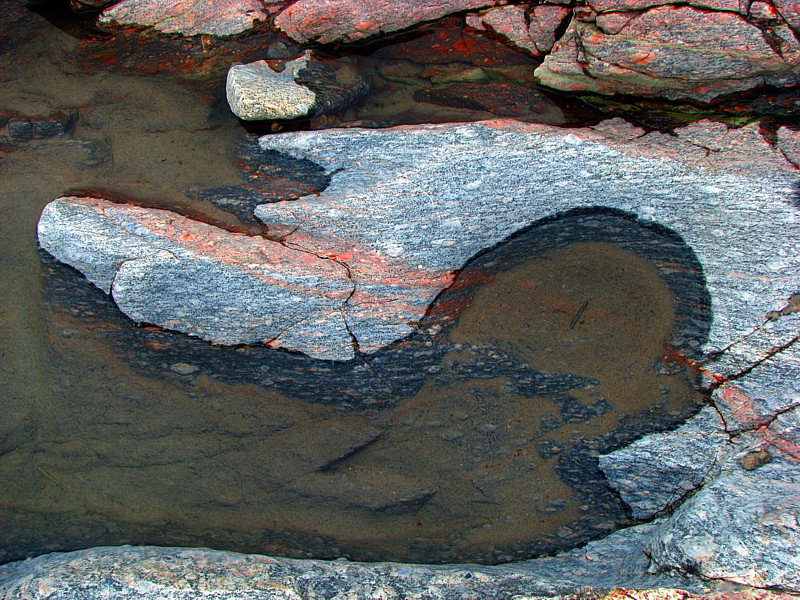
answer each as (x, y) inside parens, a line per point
(474, 440)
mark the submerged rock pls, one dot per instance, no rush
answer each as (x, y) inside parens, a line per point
(303, 88)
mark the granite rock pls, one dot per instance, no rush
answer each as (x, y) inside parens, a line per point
(180, 274)
(670, 51)
(326, 21)
(303, 88)
(407, 207)
(533, 30)
(214, 17)
(657, 471)
(744, 525)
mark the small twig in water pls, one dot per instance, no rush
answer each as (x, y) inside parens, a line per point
(578, 314)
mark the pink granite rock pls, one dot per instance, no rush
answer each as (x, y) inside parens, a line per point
(214, 17)
(532, 30)
(670, 51)
(326, 21)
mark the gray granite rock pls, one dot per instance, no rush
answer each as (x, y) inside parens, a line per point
(420, 201)
(167, 270)
(303, 88)
(656, 472)
(214, 17)
(745, 525)
(182, 573)
(255, 91)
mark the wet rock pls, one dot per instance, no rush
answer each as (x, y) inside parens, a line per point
(184, 368)
(326, 21)
(214, 17)
(500, 99)
(303, 88)
(22, 129)
(671, 51)
(533, 30)
(167, 270)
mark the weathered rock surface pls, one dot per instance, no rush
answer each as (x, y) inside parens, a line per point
(407, 207)
(744, 525)
(168, 270)
(325, 21)
(532, 30)
(670, 51)
(303, 88)
(656, 472)
(151, 572)
(214, 17)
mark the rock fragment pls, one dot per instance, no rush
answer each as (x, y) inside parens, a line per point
(303, 88)
(533, 30)
(167, 270)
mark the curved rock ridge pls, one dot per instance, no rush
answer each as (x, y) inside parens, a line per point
(407, 207)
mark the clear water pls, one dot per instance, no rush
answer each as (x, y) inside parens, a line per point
(104, 441)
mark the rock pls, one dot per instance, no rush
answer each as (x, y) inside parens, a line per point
(257, 92)
(509, 22)
(670, 51)
(180, 274)
(378, 176)
(183, 368)
(22, 129)
(532, 30)
(631, 5)
(789, 144)
(82, 6)
(150, 573)
(326, 21)
(744, 526)
(214, 17)
(656, 472)
(420, 201)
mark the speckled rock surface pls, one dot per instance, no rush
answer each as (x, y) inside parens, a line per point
(255, 91)
(173, 573)
(532, 30)
(304, 88)
(325, 21)
(180, 274)
(214, 17)
(670, 51)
